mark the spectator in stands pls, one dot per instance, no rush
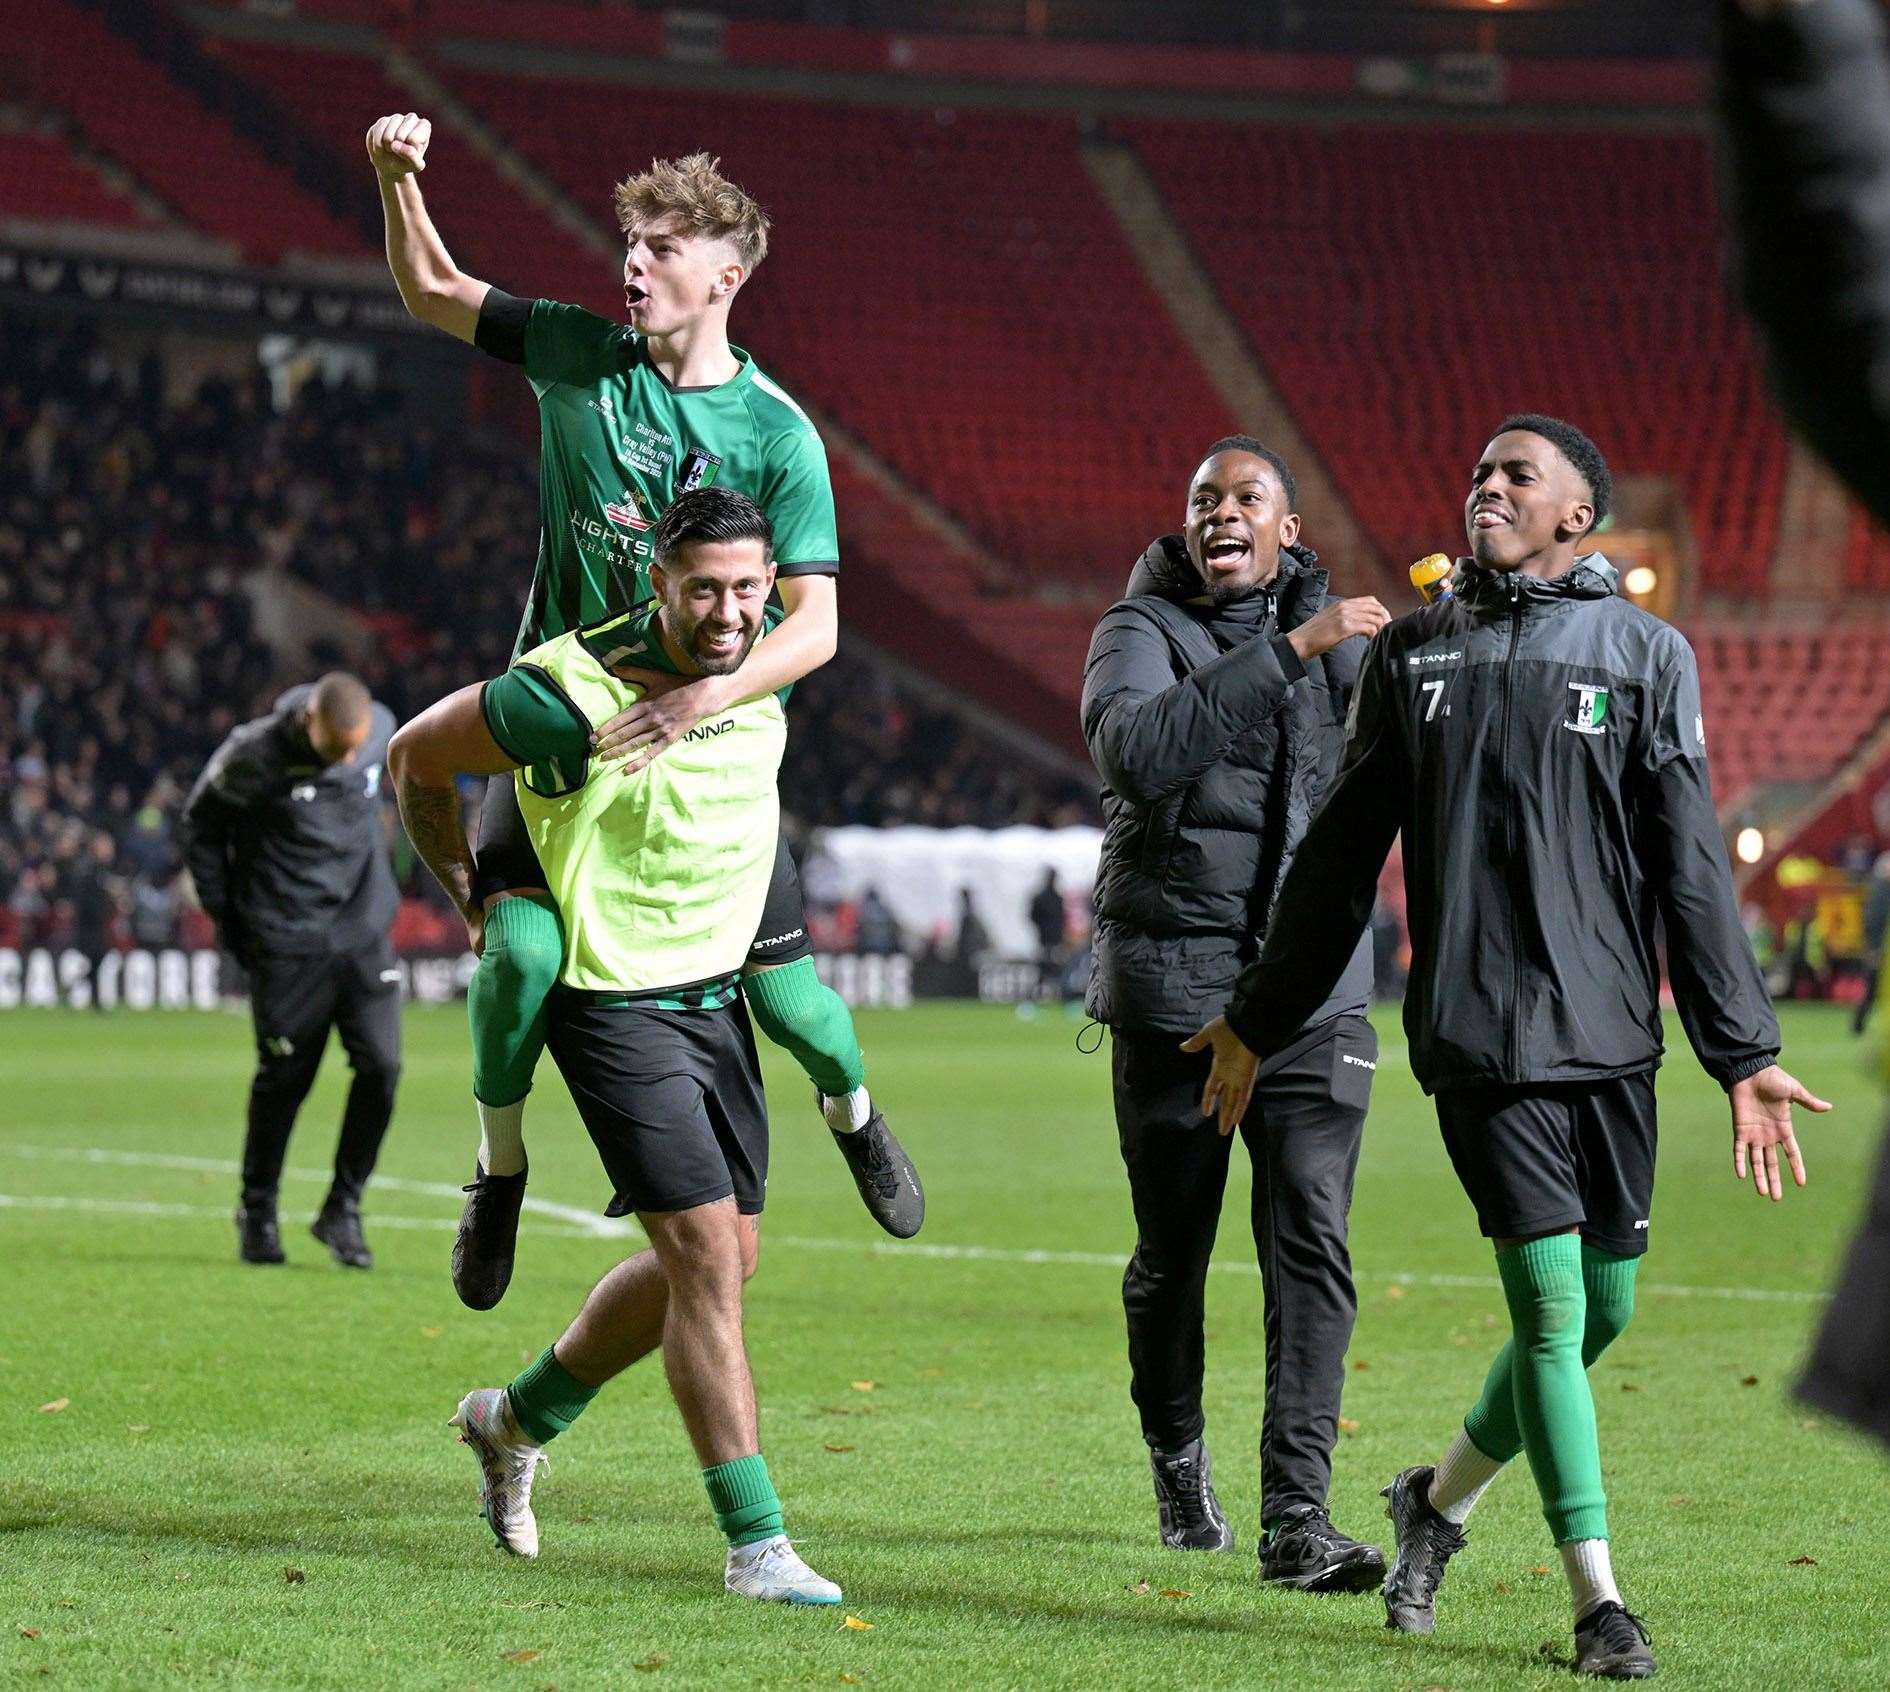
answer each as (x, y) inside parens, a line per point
(879, 932)
(1876, 924)
(1051, 921)
(96, 893)
(973, 939)
(1807, 124)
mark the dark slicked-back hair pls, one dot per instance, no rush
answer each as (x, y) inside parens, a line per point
(341, 701)
(1578, 449)
(710, 514)
(1247, 443)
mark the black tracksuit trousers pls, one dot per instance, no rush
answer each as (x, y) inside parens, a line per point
(295, 1001)
(1303, 1131)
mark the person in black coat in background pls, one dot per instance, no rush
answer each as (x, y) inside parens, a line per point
(1805, 115)
(285, 838)
(1213, 703)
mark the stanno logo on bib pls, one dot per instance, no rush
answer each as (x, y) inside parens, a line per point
(1589, 713)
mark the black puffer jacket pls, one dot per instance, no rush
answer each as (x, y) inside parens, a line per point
(1214, 743)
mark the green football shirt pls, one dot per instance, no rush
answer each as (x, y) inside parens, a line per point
(617, 443)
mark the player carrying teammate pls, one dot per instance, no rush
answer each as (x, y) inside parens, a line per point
(632, 415)
(660, 876)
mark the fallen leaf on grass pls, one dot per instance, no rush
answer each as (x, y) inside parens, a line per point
(1394, 1291)
(1629, 1386)
(137, 1427)
(1141, 1586)
(1175, 1592)
(1347, 1425)
(849, 1680)
(294, 1576)
(55, 1407)
(29, 1633)
(1540, 1569)
(863, 1386)
(1501, 1586)
(650, 1664)
(1750, 1380)
(1804, 1562)
(431, 1333)
(583, 1518)
(857, 1625)
(837, 1449)
(184, 1576)
(1678, 1501)
(518, 1656)
(1361, 1365)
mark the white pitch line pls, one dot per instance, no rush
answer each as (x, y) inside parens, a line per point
(148, 1207)
(1116, 1260)
(587, 1223)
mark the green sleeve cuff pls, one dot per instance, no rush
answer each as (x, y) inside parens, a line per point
(533, 719)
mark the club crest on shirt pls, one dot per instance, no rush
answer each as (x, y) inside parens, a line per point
(1588, 713)
(697, 471)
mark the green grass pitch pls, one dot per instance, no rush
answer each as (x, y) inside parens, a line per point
(251, 1482)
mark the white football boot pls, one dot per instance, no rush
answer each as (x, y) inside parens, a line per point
(509, 1462)
(769, 1569)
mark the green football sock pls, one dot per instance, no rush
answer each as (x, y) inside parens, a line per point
(547, 1398)
(1542, 1282)
(506, 998)
(742, 1497)
(796, 1010)
(1608, 1281)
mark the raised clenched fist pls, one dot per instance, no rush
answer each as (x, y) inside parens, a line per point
(397, 145)
(1339, 621)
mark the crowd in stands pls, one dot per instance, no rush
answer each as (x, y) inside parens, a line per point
(131, 517)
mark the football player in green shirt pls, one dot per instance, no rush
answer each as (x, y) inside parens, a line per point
(631, 416)
(661, 877)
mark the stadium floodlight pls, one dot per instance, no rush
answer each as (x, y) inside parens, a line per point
(1641, 580)
(1749, 845)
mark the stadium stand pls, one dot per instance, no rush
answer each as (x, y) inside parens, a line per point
(187, 156)
(42, 178)
(1397, 311)
(492, 228)
(1408, 287)
(1821, 693)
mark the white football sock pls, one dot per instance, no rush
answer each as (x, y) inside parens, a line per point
(502, 1138)
(1590, 1574)
(849, 1113)
(1460, 1479)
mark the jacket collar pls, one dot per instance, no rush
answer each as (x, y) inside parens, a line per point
(1166, 571)
(1493, 592)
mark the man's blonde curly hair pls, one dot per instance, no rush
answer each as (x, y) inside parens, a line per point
(703, 200)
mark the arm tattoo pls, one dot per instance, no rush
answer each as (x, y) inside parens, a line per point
(438, 833)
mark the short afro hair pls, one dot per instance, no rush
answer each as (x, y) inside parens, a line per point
(1578, 449)
(1247, 443)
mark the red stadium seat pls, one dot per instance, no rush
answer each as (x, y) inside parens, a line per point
(40, 177)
